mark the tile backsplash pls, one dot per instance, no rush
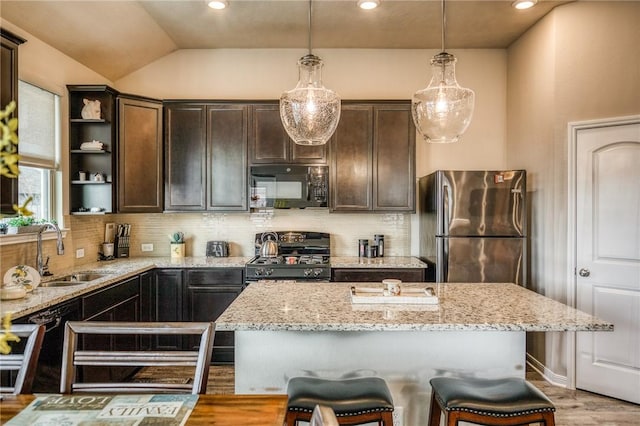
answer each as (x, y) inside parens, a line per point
(87, 232)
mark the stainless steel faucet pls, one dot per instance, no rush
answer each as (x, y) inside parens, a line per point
(42, 267)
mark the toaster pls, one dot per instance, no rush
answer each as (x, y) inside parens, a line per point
(217, 249)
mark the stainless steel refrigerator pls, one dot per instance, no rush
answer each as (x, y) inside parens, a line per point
(473, 225)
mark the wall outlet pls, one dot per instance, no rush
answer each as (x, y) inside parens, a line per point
(79, 253)
(147, 247)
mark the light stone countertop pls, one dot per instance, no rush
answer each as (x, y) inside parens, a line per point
(376, 262)
(462, 307)
(117, 270)
(121, 269)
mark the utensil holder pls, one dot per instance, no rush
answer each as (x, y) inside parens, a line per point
(177, 250)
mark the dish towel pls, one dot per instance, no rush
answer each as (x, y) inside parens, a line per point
(93, 145)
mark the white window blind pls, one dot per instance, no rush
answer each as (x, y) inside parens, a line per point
(38, 112)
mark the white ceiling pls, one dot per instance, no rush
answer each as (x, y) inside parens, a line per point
(117, 37)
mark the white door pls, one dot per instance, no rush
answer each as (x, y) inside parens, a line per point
(608, 258)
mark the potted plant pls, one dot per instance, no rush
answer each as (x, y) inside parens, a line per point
(24, 225)
(177, 244)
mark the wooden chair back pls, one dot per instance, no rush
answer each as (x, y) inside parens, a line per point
(74, 357)
(24, 363)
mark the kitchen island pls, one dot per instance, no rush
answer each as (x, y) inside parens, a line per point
(284, 330)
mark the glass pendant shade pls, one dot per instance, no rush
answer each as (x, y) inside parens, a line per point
(442, 112)
(310, 112)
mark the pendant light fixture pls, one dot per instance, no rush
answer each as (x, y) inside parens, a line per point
(310, 112)
(442, 112)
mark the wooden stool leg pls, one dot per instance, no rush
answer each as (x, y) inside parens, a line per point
(549, 418)
(387, 418)
(291, 419)
(434, 411)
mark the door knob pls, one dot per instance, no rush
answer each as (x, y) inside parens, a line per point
(584, 272)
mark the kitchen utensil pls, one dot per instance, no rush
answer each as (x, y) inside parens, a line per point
(107, 249)
(110, 232)
(269, 247)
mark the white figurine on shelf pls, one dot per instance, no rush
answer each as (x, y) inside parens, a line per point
(91, 109)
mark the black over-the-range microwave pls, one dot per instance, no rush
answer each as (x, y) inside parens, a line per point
(289, 186)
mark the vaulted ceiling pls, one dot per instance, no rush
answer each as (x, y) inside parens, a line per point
(115, 38)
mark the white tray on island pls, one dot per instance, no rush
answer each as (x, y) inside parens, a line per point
(413, 296)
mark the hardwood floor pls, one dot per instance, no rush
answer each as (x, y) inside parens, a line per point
(574, 408)
(577, 407)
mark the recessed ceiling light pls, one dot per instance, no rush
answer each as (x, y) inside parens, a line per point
(368, 4)
(218, 4)
(524, 4)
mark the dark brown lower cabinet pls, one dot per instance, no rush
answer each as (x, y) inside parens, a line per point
(208, 292)
(193, 295)
(119, 302)
(166, 304)
(377, 274)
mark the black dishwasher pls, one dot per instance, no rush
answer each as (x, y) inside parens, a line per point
(47, 378)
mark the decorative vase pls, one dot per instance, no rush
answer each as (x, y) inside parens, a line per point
(177, 250)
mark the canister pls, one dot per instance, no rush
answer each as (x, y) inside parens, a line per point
(362, 248)
(379, 240)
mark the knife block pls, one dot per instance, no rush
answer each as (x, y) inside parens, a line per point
(121, 246)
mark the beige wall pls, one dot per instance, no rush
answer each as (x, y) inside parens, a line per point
(581, 62)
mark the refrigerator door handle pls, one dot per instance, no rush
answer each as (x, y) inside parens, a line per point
(442, 265)
(445, 209)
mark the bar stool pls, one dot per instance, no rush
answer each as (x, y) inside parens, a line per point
(509, 401)
(354, 401)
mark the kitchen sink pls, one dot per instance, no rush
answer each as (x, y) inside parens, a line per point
(74, 279)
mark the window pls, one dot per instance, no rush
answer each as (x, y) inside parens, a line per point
(39, 148)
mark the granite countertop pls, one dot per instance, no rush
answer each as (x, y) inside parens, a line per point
(376, 262)
(462, 307)
(116, 270)
(120, 269)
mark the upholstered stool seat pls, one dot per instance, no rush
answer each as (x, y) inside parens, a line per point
(509, 401)
(354, 401)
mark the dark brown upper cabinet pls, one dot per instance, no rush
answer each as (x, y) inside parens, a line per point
(9, 43)
(206, 156)
(372, 165)
(270, 143)
(227, 126)
(185, 138)
(140, 188)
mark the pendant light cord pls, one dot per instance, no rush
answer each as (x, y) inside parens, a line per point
(443, 23)
(310, 26)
